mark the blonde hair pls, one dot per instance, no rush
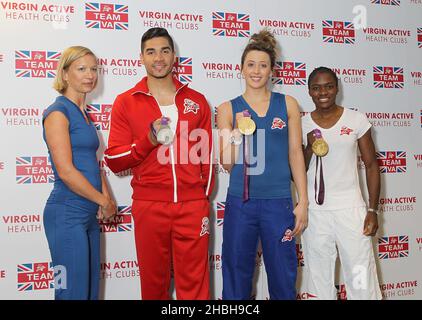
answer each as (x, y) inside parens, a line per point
(68, 56)
(262, 41)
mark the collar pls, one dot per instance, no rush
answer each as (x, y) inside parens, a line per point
(142, 86)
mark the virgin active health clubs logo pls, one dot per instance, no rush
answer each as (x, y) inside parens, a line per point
(386, 2)
(230, 24)
(31, 170)
(35, 276)
(36, 63)
(289, 73)
(393, 247)
(388, 77)
(392, 161)
(106, 16)
(220, 208)
(338, 32)
(182, 69)
(121, 222)
(100, 115)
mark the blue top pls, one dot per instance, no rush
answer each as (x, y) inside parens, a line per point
(269, 152)
(84, 143)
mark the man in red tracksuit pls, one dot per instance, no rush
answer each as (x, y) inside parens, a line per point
(171, 183)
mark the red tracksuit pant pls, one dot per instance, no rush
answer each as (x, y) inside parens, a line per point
(168, 232)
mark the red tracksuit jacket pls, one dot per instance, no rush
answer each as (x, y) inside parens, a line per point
(188, 174)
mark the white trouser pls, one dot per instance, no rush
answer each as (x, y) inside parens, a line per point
(343, 228)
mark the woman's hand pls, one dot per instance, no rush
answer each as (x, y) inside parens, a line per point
(301, 220)
(107, 210)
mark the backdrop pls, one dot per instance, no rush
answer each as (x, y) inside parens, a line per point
(374, 46)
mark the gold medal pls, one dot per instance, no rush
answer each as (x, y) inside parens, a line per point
(319, 146)
(246, 125)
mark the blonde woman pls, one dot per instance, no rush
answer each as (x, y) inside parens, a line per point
(70, 215)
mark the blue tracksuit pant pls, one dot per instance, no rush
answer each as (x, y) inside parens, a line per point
(244, 223)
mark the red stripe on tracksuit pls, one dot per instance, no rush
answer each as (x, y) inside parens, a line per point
(176, 183)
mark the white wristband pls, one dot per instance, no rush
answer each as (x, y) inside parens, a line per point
(373, 210)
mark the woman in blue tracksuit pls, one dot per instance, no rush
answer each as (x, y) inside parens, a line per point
(259, 202)
(70, 215)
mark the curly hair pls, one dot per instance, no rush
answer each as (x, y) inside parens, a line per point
(262, 41)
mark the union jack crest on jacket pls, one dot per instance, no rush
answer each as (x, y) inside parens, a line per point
(182, 69)
(290, 73)
(99, 115)
(121, 222)
(230, 24)
(386, 2)
(388, 77)
(34, 170)
(35, 276)
(36, 64)
(393, 247)
(392, 161)
(106, 16)
(338, 32)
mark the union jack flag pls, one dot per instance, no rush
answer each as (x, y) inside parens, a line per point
(388, 77)
(230, 24)
(121, 222)
(341, 292)
(99, 115)
(36, 64)
(386, 2)
(420, 37)
(391, 161)
(34, 170)
(393, 247)
(290, 73)
(182, 69)
(338, 32)
(106, 16)
(221, 206)
(35, 276)
(299, 254)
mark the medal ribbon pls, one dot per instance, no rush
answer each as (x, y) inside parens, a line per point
(245, 163)
(321, 190)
